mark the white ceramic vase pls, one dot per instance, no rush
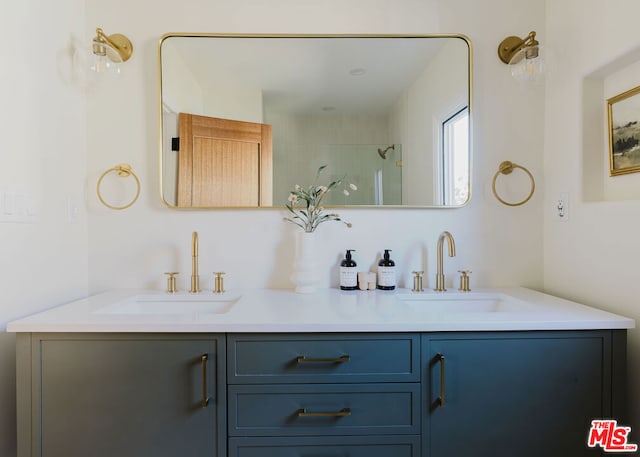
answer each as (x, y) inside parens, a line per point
(305, 276)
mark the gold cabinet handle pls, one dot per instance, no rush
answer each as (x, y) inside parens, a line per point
(344, 412)
(341, 359)
(440, 400)
(205, 399)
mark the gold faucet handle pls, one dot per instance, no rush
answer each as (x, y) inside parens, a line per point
(417, 281)
(171, 281)
(218, 286)
(464, 280)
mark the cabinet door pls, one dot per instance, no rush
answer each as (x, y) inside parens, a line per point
(128, 396)
(525, 394)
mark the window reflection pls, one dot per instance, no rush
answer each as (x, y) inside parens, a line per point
(455, 158)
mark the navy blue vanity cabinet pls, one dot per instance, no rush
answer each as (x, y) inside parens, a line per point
(441, 394)
(106, 395)
(519, 393)
(323, 394)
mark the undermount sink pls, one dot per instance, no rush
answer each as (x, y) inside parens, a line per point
(463, 303)
(153, 304)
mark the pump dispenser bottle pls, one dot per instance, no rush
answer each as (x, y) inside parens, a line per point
(348, 272)
(386, 272)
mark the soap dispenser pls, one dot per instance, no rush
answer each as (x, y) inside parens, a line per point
(348, 272)
(386, 272)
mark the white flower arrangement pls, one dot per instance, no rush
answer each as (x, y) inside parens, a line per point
(305, 204)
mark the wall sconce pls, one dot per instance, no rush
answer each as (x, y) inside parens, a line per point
(523, 56)
(92, 64)
(109, 51)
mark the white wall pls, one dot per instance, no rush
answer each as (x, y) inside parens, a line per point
(593, 257)
(231, 103)
(43, 153)
(181, 90)
(134, 247)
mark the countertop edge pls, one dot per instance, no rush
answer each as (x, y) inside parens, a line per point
(329, 311)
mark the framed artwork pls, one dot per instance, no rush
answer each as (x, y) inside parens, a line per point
(623, 112)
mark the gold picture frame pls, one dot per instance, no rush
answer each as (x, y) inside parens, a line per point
(623, 114)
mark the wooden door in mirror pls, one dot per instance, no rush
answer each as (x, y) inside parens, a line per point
(223, 162)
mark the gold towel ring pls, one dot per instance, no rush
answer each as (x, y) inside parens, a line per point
(506, 168)
(124, 170)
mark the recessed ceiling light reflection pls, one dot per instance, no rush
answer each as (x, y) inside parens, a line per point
(357, 71)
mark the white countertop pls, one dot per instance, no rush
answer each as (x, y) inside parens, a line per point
(328, 310)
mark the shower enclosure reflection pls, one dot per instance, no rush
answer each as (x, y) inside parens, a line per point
(379, 180)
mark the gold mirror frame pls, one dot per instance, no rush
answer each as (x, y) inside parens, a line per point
(233, 35)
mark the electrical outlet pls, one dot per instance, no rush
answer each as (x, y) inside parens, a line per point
(562, 206)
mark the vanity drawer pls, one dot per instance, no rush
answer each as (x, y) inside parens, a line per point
(338, 446)
(324, 409)
(323, 358)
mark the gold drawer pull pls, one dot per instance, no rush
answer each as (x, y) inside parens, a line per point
(344, 412)
(205, 399)
(440, 399)
(341, 359)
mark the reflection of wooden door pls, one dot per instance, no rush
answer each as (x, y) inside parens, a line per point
(222, 162)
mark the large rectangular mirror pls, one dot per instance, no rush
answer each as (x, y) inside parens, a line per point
(244, 118)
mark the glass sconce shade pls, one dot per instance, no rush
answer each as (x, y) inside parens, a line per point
(103, 57)
(527, 65)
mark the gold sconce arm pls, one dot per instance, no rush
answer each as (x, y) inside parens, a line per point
(117, 43)
(512, 44)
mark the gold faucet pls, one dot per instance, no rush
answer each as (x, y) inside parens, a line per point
(195, 279)
(452, 252)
